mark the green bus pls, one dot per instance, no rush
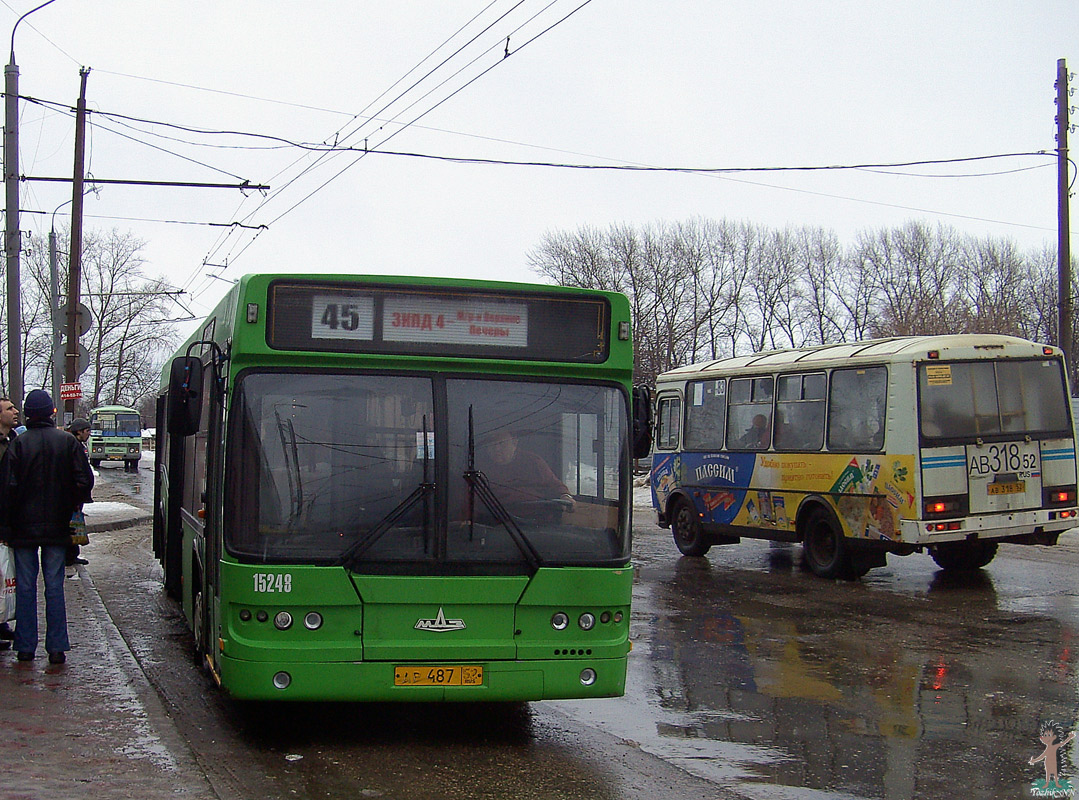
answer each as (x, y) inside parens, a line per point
(115, 435)
(374, 488)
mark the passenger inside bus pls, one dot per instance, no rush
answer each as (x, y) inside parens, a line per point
(757, 436)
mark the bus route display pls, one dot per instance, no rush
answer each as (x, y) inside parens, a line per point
(434, 321)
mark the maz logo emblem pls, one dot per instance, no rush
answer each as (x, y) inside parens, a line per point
(440, 623)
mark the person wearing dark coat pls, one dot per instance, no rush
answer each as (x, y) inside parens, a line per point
(9, 418)
(44, 477)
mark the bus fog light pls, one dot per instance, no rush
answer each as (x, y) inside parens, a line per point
(617, 616)
(559, 621)
(588, 676)
(245, 614)
(282, 680)
(282, 620)
(587, 621)
(312, 621)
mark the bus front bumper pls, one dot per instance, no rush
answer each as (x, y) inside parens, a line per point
(374, 681)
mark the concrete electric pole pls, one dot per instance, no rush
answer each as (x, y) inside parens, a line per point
(74, 268)
(12, 234)
(1064, 271)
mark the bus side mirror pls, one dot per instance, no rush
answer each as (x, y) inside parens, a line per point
(642, 421)
(185, 396)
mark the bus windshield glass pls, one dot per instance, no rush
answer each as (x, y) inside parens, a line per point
(513, 473)
(116, 424)
(979, 399)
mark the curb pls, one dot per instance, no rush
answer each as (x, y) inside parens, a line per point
(117, 524)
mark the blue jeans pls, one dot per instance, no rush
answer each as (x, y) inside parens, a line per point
(26, 568)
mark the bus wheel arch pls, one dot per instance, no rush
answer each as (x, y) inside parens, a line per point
(689, 536)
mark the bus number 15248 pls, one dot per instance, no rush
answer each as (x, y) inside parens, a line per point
(273, 582)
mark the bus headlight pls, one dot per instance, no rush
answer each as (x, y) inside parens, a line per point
(587, 621)
(282, 620)
(559, 621)
(312, 621)
(282, 680)
(588, 676)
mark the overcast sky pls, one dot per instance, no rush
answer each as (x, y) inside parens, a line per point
(670, 83)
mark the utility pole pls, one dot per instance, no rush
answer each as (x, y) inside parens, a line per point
(1064, 270)
(54, 317)
(74, 269)
(12, 234)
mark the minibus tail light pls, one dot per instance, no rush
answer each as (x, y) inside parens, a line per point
(954, 505)
(1059, 495)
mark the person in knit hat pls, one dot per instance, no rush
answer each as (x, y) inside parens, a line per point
(44, 478)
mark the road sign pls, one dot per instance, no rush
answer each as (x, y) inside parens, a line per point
(82, 362)
(70, 391)
(82, 318)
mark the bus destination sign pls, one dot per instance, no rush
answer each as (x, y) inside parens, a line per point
(425, 319)
(437, 321)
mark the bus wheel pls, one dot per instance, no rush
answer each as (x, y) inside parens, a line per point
(198, 625)
(963, 556)
(686, 527)
(95, 462)
(823, 547)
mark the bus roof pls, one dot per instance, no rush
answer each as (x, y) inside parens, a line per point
(897, 348)
(114, 409)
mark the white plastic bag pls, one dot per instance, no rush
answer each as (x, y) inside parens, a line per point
(7, 584)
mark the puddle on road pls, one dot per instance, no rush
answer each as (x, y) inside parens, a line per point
(777, 684)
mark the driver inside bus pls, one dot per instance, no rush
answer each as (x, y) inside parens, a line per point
(517, 475)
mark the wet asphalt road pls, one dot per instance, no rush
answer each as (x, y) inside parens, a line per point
(749, 678)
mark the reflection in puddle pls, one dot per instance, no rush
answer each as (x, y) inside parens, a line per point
(778, 684)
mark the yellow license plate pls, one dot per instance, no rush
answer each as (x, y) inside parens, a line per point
(438, 676)
(1008, 488)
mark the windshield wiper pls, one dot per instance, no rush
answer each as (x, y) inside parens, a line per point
(287, 432)
(352, 556)
(479, 486)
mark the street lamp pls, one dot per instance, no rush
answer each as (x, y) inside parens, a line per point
(12, 234)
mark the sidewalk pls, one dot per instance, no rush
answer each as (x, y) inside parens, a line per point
(93, 727)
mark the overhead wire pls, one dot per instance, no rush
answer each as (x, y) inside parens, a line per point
(433, 107)
(221, 241)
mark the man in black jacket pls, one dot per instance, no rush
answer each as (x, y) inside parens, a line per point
(43, 479)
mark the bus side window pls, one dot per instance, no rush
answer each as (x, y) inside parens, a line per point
(749, 417)
(706, 411)
(800, 412)
(856, 408)
(668, 422)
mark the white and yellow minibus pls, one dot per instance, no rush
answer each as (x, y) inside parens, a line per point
(946, 444)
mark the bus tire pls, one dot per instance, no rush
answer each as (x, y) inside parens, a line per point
(686, 527)
(963, 556)
(824, 548)
(95, 462)
(198, 625)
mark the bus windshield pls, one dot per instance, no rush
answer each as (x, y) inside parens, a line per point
(116, 423)
(980, 399)
(355, 466)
